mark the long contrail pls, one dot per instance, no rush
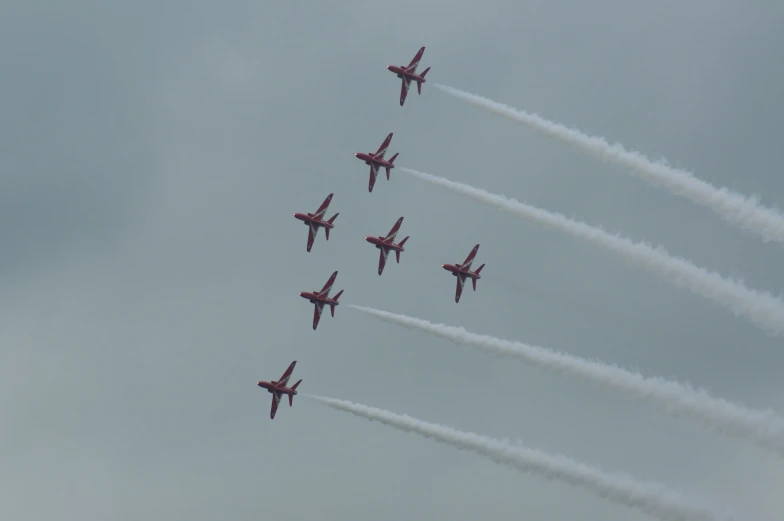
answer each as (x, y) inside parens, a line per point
(744, 212)
(761, 308)
(763, 428)
(651, 498)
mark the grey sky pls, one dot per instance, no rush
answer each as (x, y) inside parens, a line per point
(153, 155)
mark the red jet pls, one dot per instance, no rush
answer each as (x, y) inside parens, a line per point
(463, 271)
(316, 221)
(387, 243)
(377, 161)
(279, 388)
(408, 74)
(320, 298)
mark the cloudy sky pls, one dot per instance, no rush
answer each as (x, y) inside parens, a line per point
(153, 155)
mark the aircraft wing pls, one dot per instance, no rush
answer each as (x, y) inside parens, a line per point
(412, 67)
(470, 259)
(312, 232)
(275, 402)
(404, 90)
(459, 291)
(393, 232)
(317, 314)
(284, 380)
(323, 208)
(383, 148)
(382, 259)
(373, 175)
(328, 286)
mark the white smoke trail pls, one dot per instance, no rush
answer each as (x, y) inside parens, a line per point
(651, 498)
(761, 308)
(763, 428)
(744, 212)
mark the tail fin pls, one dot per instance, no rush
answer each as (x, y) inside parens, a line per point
(291, 396)
(419, 83)
(326, 229)
(391, 160)
(473, 281)
(332, 306)
(397, 252)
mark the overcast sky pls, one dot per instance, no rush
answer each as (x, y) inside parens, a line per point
(153, 155)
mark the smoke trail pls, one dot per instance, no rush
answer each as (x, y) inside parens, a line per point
(763, 428)
(651, 498)
(744, 212)
(761, 308)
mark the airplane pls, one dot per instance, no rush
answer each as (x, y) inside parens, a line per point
(407, 74)
(316, 221)
(377, 161)
(321, 298)
(278, 389)
(384, 244)
(463, 271)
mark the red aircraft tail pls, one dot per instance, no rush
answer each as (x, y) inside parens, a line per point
(397, 252)
(391, 160)
(419, 83)
(332, 305)
(291, 396)
(473, 281)
(326, 230)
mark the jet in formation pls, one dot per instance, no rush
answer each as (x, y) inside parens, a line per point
(463, 271)
(314, 221)
(376, 161)
(407, 74)
(322, 298)
(385, 244)
(278, 389)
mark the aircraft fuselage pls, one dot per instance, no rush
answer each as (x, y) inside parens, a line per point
(456, 270)
(309, 219)
(273, 387)
(402, 74)
(369, 160)
(379, 242)
(313, 298)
